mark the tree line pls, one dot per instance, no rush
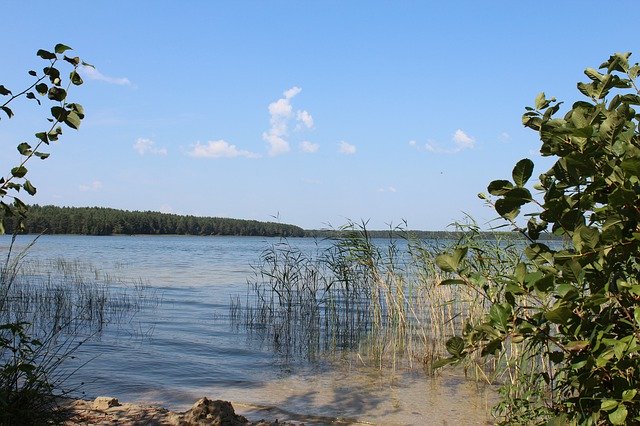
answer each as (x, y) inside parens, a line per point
(108, 221)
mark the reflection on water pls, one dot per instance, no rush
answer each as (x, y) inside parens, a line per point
(184, 347)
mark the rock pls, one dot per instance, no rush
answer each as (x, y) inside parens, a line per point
(215, 413)
(105, 402)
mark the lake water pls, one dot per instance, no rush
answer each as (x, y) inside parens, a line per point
(184, 346)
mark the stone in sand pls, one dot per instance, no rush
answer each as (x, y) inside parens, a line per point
(208, 412)
(105, 402)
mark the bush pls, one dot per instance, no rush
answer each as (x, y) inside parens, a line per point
(577, 306)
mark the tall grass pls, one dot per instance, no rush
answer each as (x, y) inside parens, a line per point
(48, 309)
(382, 299)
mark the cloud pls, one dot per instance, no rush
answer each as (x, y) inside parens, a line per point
(460, 139)
(93, 74)
(309, 147)
(96, 185)
(281, 112)
(219, 149)
(145, 146)
(305, 118)
(346, 148)
(504, 137)
(387, 189)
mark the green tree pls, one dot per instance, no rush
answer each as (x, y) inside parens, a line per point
(26, 365)
(52, 87)
(578, 305)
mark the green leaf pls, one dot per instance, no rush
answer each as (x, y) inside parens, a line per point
(619, 416)
(41, 155)
(631, 166)
(455, 346)
(522, 171)
(75, 78)
(44, 54)
(19, 171)
(560, 315)
(57, 94)
(492, 348)
(72, 120)
(439, 363)
(629, 394)
(449, 262)
(59, 113)
(7, 111)
(29, 188)
(75, 61)
(608, 404)
(61, 48)
(541, 101)
(24, 148)
(500, 315)
(4, 91)
(499, 187)
(593, 74)
(509, 208)
(43, 137)
(576, 345)
(453, 281)
(42, 88)
(30, 95)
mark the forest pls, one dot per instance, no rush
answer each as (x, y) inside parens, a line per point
(108, 221)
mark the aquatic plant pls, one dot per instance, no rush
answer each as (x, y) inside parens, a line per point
(379, 298)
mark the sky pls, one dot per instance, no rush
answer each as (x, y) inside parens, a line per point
(313, 113)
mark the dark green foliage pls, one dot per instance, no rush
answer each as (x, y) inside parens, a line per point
(106, 221)
(26, 388)
(62, 112)
(578, 306)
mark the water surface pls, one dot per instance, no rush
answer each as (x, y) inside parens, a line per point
(185, 347)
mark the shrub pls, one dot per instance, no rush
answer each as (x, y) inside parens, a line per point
(577, 306)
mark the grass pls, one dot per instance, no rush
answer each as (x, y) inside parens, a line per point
(48, 309)
(385, 300)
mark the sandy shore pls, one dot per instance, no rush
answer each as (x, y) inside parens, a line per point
(109, 411)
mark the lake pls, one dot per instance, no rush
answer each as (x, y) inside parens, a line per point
(184, 346)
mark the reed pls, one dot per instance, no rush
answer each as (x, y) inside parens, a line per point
(48, 309)
(382, 299)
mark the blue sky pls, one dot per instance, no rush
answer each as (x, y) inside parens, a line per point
(311, 112)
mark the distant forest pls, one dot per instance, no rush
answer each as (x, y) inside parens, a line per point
(106, 221)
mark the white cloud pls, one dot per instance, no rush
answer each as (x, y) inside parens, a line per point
(93, 74)
(288, 94)
(504, 137)
(96, 185)
(219, 149)
(145, 146)
(305, 118)
(462, 140)
(387, 189)
(281, 112)
(309, 147)
(346, 148)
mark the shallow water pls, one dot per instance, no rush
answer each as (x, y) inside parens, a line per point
(185, 347)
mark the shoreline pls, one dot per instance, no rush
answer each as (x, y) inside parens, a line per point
(109, 411)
